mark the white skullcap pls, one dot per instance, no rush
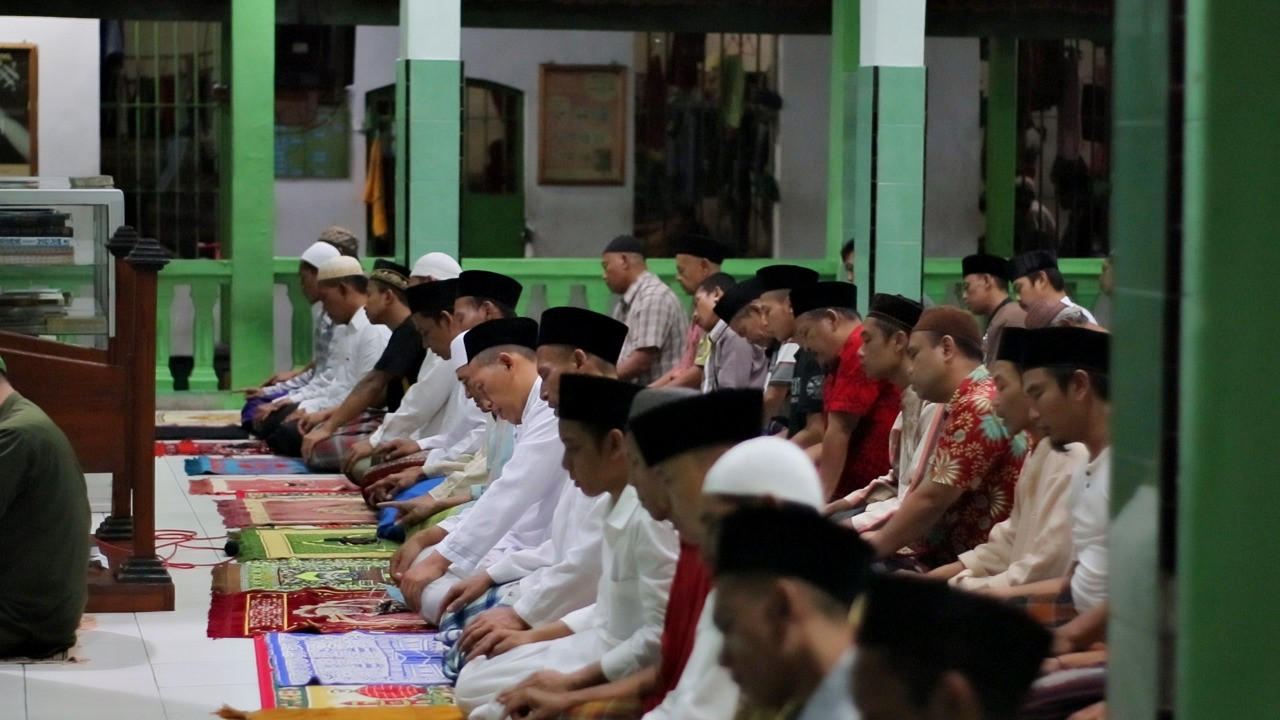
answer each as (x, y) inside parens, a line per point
(436, 265)
(318, 253)
(457, 352)
(339, 267)
(766, 467)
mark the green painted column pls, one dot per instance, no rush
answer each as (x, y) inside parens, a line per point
(890, 143)
(1228, 627)
(248, 187)
(845, 42)
(428, 128)
(1002, 143)
(1144, 356)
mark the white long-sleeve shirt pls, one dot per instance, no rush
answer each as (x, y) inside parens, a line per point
(361, 345)
(424, 405)
(321, 341)
(518, 506)
(638, 564)
(560, 575)
(462, 431)
(1034, 543)
(1090, 522)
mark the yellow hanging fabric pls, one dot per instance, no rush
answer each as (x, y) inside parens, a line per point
(374, 189)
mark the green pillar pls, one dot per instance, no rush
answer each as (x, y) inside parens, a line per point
(845, 42)
(1228, 627)
(248, 187)
(890, 139)
(1143, 356)
(1002, 142)
(428, 128)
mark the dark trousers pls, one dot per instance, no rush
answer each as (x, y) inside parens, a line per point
(282, 437)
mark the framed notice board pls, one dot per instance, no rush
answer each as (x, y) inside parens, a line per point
(582, 125)
(18, 104)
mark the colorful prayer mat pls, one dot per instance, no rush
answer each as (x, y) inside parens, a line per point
(349, 696)
(312, 509)
(295, 574)
(356, 658)
(203, 424)
(279, 543)
(257, 612)
(224, 448)
(269, 465)
(236, 484)
(381, 470)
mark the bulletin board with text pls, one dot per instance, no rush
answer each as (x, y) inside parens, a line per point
(582, 125)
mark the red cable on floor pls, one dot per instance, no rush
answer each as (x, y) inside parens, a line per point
(177, 539)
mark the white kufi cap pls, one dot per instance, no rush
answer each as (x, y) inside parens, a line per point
(766, 467)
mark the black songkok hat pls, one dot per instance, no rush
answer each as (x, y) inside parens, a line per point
(596, 401)
(393, 274)
(1033, 261)
(716, 418)
(701, 246)
(785, 277)
(489, 286)
(597, 334)
(1013, 345)
(897, 310)
(496, 333)
(985, 265)
(430, 298)
(1075, 347)
(737, 297)
(925, 628)
(625, 244)
(823, 295)
(794, 542)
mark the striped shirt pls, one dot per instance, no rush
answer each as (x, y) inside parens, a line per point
(654, 319)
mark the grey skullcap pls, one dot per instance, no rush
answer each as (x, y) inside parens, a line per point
(651, 398)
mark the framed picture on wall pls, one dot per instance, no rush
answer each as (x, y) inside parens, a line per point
(582, 125)
(18, 146)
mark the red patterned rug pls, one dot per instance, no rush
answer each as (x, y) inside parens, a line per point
(236, 484)
(222, 448)
(329, 509)
(255, 612)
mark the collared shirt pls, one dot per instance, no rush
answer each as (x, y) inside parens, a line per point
(560, 575)
(518, 506)
(1035, 542)
(912, 444)
(1008, 314)
(977, 455)
(654, 319)
(875, 402)
(1071, 303)
(321, 339)
(423, 409)
(833, 700)
(361, 347)
(463, 428)
(637, 567)
(734, 363)
(1090, 522)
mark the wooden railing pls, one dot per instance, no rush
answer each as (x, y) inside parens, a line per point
(548, 283)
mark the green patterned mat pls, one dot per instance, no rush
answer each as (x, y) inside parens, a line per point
(357, 541)
(297, 574)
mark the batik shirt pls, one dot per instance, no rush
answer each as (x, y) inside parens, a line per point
(977, 455)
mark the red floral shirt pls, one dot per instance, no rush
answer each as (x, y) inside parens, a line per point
(875, 402)
(976, 454)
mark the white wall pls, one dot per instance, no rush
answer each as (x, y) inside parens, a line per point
(953, 151)
(304, 207)
(67, 122)
(566, 221)
(804, 82)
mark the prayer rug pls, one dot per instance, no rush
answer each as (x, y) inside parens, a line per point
(267, 465)
(223, 448)
(363, 696)
(1049, 609)
(357, 658)
(201, 424)
(280, 543)
(296, 509)
(1062, 693)
(390, 712)
(390, 467)
(236, 484)
(257, 612)
(295, 574)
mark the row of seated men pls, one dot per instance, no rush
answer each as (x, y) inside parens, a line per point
(566, 544)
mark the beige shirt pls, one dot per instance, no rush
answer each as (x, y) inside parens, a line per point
(1034, 543)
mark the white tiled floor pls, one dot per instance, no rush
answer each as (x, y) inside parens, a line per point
(147, 666)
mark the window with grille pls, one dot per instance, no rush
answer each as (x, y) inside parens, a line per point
(160, 128)
(706, 124)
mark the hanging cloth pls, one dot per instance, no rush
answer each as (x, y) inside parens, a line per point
(375, 190)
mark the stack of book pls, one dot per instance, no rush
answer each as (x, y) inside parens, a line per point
(35, 236)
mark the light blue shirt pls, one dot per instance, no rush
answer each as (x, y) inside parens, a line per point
(833, 699)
